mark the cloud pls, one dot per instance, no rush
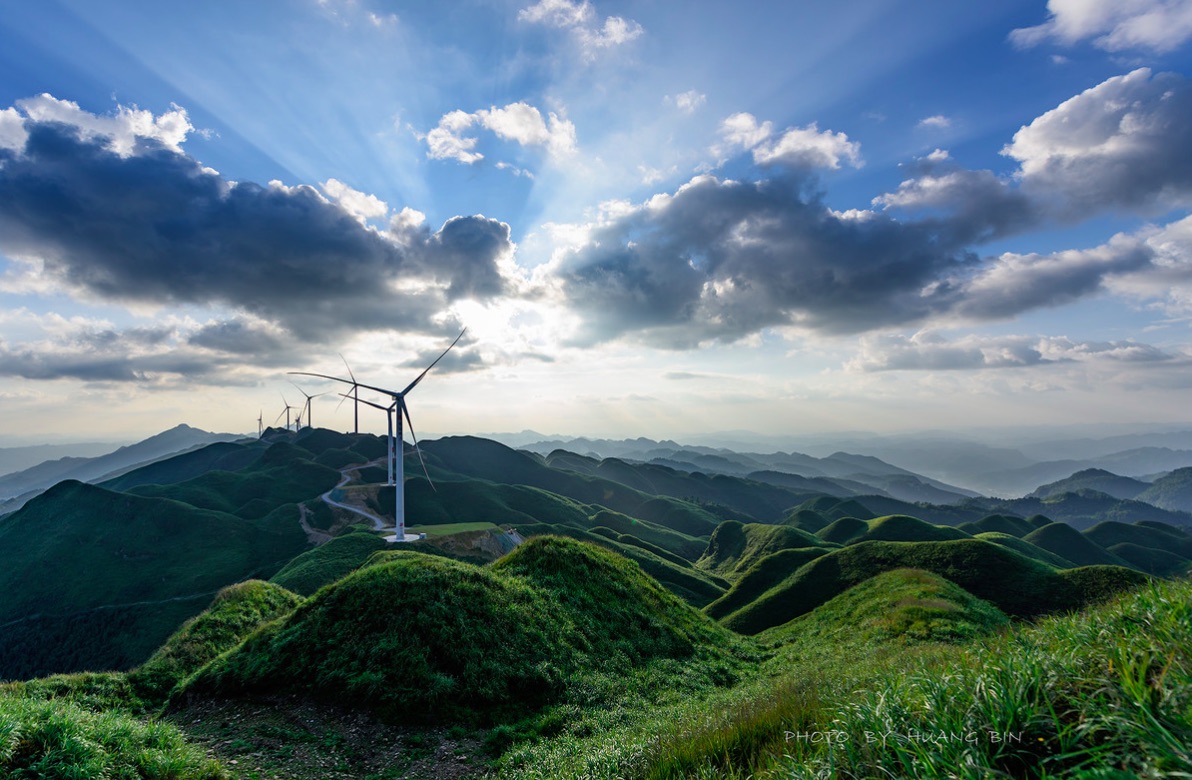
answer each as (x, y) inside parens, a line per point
(1120, 144)
(720, 260)
(519, 122)
(131, 219)
(1113, 25)
(976, 205)
(581, 20)
(930, 351)
(121, 132)
(939, 122)
(686, 102)
(95, 351)
(1015, 283)
(363, 206)
(797, 147)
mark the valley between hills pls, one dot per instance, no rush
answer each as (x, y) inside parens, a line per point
(229, 608)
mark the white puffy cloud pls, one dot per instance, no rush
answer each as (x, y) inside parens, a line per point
(121, 130)
(797, 147)
(1113, 25)
(360, 205)
(581, 20)
(519, 122)
(1122, 143)
(12, 130)
(445, 142)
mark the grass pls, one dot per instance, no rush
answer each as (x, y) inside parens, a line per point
(328, 562)
(55, 738)
(450, 528)
(236, 611)
(1018, 585)
(735, 547)
(412, 637)
(1107, 693)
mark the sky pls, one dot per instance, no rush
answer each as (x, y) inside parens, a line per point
(769, 216)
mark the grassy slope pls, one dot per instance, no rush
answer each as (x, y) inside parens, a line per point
(1068, 543)
(1024, 547)
(98, 579)
(221, 456)
(734, 547)
(327, 563)
(411, 637)
(236, 611)
(1014, 583)
(902, 605)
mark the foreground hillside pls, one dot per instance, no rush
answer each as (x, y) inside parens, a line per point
(564, 660)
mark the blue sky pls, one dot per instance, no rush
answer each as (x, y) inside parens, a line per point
(776, 217)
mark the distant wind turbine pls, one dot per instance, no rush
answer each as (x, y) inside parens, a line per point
(286, 412)
(355, 392)
(260, 423)
(306, 408)
(400, 410)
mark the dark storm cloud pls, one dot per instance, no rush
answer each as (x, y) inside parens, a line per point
(722, 259)
(156, 226)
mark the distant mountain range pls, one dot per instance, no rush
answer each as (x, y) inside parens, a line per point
(18, 487)
(949, 464)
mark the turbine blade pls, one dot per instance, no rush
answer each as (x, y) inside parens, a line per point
(432, 365)
(417, 449)
(370, 403)
(345, 360)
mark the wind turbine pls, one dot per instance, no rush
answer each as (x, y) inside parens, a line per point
(355, 392)
(400, 409)
(389, 455)
(306, 409)
(286, 412)
(260, 423)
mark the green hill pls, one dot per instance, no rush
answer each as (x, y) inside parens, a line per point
(221, 456)
(412, 637)
(1068, 543)
(237, 611)
(1160, 563)
(843, 530)
(1001, 524)
(1024, 547)
(901, 605)
(1172, 491)
(1017, 585)
(98, 579)
(759, 578)
(902, 528)
(328, 562)
(283, 474)
(488, 460)
(805, 520)
(735, 547)
(1156, 536)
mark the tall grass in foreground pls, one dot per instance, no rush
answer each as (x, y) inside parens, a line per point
(1104, 693)
(60, 739)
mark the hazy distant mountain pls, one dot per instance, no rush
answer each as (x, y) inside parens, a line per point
(1173, 491)
(18, 458)
(1093, 479)
(851, 473)
(25, 484)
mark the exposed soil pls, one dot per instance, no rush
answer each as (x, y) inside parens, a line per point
(291, 739)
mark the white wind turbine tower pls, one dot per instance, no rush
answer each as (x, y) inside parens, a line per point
(400, 409)
(260, 423)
